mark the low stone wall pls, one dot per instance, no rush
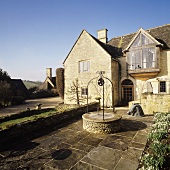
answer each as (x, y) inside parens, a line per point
(152, 103)
(26, 129)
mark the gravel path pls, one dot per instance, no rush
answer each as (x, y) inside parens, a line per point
(46, 102)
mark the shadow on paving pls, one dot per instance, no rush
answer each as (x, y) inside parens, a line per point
(68, 146)
(131, 125)
(36, 134)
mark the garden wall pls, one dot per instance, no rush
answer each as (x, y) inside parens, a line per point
(152, 103)
(26, 129)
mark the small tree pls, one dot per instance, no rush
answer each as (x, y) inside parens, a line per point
(60, 81)
(4, 75)
(5, 88)
(74, 92)
(5, 93)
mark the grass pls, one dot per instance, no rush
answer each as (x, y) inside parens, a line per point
(7, 124)
(59, 109)
(30, 84)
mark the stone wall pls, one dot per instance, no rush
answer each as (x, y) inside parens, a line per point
(87, 49)
(152, 103)
(115, 81)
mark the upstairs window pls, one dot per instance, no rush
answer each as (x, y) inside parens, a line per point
(142, 53)
(84, 66)
(162, 86)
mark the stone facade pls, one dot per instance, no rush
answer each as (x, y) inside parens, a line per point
(86, 49)
(112, 58)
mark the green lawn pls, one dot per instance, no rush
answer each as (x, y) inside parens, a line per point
(9, 123)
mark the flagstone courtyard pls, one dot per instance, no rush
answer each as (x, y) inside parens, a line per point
(68, 146)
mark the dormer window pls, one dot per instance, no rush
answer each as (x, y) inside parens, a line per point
(142, 56)
(142, 53)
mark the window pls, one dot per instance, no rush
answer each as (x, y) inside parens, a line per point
(84, 66)
(162, 86)
(142, 54)
(84, 91)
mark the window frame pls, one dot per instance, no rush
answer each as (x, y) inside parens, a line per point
(162, 88)
(84, 66)
(84, 91)
(137, 58)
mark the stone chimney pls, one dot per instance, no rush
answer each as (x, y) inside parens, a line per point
(102, 35)
(49, 72)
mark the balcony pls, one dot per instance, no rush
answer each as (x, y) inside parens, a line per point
(144, 74)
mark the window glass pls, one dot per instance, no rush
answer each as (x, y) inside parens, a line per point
(136, 43)
(84, 91)
(148, 58)
(142, 58)
(162, 86)
(81, 66)
(84, 66)
(145, 40)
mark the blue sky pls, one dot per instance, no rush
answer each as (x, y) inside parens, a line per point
(36, 34)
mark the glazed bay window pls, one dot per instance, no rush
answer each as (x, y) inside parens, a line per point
(142, 58)
(84, 66)
(142, 54)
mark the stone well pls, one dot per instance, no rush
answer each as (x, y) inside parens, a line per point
(93, 122)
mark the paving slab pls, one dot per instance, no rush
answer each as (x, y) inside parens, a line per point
(68, 146)
(126, 164)
(103, 157)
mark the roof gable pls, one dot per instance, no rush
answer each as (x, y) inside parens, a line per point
(74, 44)
(107, 48)
(161, 34)
(142, 38)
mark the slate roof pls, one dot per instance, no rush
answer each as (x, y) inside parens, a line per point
(161, 34)
(112, 50)
(116, 45)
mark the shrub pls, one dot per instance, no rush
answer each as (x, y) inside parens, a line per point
(17, 100)
(159, 147)
(43, 94)
(5, 93)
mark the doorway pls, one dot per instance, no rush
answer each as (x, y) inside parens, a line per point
(127, 91)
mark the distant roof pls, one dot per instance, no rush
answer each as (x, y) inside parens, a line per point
(161, 34)
(18, 87)
(18, 84)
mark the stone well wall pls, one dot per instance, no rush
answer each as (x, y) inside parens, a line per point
(100, 126)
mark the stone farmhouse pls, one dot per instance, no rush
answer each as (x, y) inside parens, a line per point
(138, 64)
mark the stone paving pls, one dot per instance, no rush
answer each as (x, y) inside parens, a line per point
(68, 146)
